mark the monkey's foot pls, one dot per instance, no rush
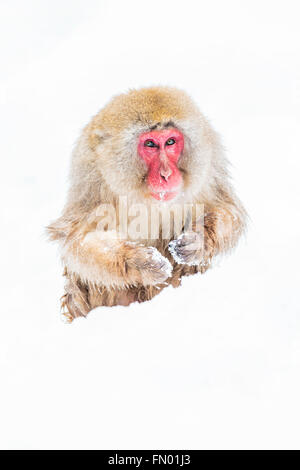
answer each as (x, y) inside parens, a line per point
(75, 302)
(188, 249)
(66, 316)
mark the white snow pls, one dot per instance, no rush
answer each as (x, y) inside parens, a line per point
(172, 250)
(176, 256)
(214, 363)
(165, 263)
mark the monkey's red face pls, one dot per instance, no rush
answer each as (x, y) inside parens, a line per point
(161, 150)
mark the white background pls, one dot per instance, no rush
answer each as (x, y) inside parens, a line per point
(215, 363)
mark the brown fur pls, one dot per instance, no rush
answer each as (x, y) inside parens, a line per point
(105, 165)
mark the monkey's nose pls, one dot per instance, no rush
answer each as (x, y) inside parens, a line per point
(165, 173)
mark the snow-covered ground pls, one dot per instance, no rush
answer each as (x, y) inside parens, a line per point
(215, 363)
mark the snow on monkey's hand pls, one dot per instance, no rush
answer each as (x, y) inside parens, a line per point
(153, 268)
(188, 249)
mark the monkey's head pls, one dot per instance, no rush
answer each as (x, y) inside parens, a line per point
(151, 144)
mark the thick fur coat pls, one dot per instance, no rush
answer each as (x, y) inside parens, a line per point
(111, 270)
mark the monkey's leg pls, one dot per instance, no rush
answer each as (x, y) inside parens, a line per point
(124, 297)
(114, 263)
(80, 298)
(75, 302)
(102, 272)
(109, 297)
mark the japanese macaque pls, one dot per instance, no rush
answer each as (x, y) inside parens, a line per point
(151, 154)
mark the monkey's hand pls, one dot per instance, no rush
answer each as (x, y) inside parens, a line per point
(188, 249)
(148, 265)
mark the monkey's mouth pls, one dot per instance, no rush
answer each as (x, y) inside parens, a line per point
(164, 195)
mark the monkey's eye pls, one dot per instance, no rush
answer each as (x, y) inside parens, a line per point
(150, 143)
(170, 142)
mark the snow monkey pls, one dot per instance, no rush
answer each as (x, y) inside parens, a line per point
(145, 157)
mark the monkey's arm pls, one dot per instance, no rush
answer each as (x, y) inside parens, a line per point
(102, 259)
(216, 232)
